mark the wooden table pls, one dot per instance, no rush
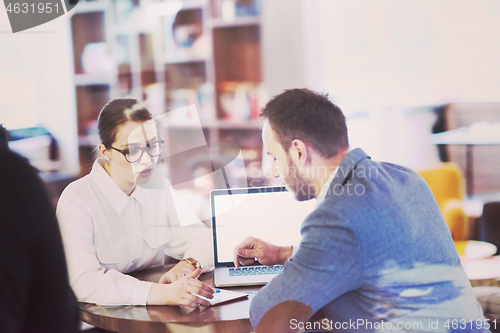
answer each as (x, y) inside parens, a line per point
(230, 317)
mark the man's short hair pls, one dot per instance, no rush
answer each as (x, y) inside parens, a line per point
(308, 116)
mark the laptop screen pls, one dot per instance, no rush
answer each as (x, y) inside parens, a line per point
(269, 213)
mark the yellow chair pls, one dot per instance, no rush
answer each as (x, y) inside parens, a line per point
(447, 185)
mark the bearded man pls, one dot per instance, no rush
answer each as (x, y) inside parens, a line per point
(375, 254)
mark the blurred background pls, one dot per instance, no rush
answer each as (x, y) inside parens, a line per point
(400, 71)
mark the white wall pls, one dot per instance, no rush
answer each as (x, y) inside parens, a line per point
(381, 56)
(282, 37)
(291, 45)
(377, 58)
(36, 83)
(392, 52)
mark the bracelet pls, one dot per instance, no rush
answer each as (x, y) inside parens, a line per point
(192, 261)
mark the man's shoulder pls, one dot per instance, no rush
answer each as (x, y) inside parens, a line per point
(390, 175)
(369, 188)
(331, 213)
(359, 161)
(357, 165)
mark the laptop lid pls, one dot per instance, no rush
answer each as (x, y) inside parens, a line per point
(269, 213)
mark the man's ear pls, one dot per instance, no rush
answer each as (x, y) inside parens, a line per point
(104, 151)
(299, 152)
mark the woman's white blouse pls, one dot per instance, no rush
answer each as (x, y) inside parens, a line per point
(107, 233)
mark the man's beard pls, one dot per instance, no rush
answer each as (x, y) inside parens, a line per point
(297, 184)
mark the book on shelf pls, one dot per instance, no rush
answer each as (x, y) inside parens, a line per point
(229, 10)
(202, 98)
(241, 101)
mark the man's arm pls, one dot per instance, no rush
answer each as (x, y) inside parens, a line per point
(326, 266)
(252, 249)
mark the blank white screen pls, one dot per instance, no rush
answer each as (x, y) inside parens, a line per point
(275, 217)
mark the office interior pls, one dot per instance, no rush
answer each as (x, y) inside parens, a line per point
(400, 71)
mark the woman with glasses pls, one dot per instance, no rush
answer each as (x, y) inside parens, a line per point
(122, 217)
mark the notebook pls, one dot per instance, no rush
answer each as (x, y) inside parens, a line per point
(224, 296)
(269, 213)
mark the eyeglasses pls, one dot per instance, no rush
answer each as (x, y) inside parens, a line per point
(134, 154)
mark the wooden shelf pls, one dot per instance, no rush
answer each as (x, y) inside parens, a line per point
(194, 4)
(149, 67)
(90, 6)
(249, 125)
(215, 124)
(237, 22)
(94, 79)
(124, 29)
(91, 140)
(188, 60)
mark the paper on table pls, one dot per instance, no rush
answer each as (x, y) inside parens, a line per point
(222, 296)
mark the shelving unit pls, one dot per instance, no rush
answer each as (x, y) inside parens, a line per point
(200, 52)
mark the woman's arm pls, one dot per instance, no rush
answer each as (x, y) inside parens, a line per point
(90, 281)
(94, 283)
(181, 291)
(191, 238)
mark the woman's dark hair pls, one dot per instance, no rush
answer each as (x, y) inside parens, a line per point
(308, 116)
(116, 113)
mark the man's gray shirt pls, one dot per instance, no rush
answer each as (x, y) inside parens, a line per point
(377, 251)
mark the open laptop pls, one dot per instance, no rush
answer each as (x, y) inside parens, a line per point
(269, 213)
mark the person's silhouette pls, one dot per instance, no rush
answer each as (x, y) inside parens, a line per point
(35, 295)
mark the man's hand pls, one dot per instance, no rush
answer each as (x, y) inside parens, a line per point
(181, 292)
(252, 249)
(182, 268)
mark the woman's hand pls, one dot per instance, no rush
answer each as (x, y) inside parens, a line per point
(182, 268)
(180, 292)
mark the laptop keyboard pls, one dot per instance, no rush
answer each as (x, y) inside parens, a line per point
(255, 270)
